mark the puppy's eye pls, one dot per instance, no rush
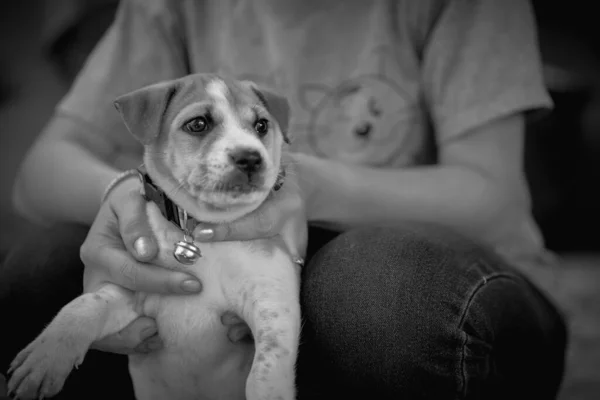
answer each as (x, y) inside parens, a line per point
(196, 125)
(261, 126)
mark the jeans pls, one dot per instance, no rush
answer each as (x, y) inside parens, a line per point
(413, 312)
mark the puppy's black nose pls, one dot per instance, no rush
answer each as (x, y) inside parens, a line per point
(246, 160)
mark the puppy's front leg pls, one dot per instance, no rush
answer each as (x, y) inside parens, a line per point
(272, 311)
(41, 369)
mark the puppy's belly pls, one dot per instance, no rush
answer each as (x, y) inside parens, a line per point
(198, 361)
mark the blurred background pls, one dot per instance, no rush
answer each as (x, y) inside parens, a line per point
(43, 43)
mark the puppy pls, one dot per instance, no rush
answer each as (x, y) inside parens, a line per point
(213, 151)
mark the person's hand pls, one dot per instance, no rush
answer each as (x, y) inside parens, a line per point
(119, 249)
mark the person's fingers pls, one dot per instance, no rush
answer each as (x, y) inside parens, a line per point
(262, 223)
(134, 226)
(153, 279)
(125, 271)
(141, 335)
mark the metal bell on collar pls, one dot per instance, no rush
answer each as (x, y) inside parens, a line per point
(186, 252)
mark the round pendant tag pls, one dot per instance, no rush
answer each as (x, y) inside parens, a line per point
(186, 253)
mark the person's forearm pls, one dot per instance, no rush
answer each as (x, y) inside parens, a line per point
(346, 196)
(61, 180)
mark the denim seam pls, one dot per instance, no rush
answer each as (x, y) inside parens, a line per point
(485, 280)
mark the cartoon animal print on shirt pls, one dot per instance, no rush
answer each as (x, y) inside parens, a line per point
(367, 119)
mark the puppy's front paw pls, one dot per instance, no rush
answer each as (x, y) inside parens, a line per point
(40, 370)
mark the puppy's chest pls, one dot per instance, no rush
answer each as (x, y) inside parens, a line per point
(217, 269)
(222, 270)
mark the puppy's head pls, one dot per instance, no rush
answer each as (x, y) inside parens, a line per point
(213, 145)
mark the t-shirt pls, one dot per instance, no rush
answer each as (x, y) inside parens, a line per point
(378, 83)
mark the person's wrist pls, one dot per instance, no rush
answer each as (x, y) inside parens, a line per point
(124, 189)
(331, 187)
(309, 175)
(118, 182)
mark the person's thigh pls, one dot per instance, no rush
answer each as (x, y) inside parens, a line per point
(39, 276)
(419, 312)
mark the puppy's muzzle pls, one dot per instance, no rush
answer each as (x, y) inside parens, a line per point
(247, 161)
(248, 169)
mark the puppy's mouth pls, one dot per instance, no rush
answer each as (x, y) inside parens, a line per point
(234, 184)
(239, 183)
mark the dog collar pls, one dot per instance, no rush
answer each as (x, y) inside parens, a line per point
(171, 211)
(184, 251)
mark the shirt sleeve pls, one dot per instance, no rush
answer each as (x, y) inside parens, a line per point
(480, 62)
(142, 46)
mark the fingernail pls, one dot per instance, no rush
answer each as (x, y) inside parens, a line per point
(191, 286)
(142, 246)
(205, 234)
(146, 333)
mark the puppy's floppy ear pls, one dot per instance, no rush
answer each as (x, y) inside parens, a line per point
(277, 105)
(143, 110)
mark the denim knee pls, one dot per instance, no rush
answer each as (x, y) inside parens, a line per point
(386, 311)
(514, 341)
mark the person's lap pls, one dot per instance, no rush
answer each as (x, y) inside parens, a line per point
(413, 312)
(419, 312)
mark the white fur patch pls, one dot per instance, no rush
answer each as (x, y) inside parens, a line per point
(218, 90)
(234, 135)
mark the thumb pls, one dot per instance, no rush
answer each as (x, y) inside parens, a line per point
(129, 338)
(134, 227)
